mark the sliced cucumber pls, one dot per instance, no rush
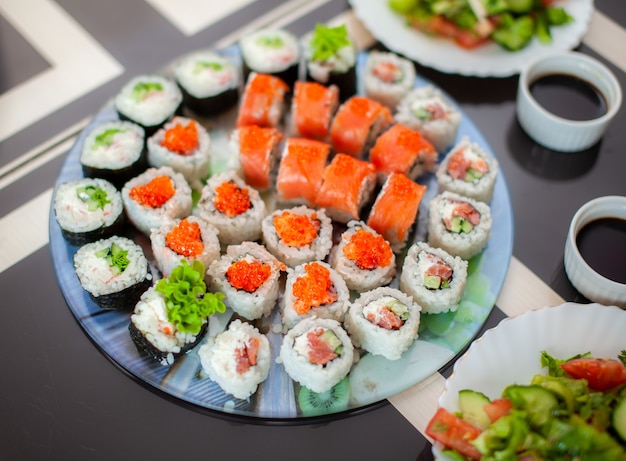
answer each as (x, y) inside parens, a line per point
(472, 406)
(538, 401)
(618, 419)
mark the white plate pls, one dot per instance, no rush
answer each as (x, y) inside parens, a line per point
(510, 352)
(490, 60)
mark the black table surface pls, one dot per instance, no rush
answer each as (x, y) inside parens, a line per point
(62, 399)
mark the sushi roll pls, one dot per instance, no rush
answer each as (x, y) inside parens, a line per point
(149, 101)
(114, 271)
(426, 110)
(347, 186)
(237, 359)
(114, 151)
(184, 145)
(257, 150)
(468, 170)
(312, 109)
(317, 353)
(233, 207)
(154, 195)
(209, 82)
(395, 209)
(363, 258)
(189, 238)
(433, 277)
(301, 170)
(298, 235)
(271, 51)
(248, 275)
(313, 290)
(388, 77)
(356, 125)
(88, 210)
(330, 58)
(403, 150)
(263, 101)
(458, 224)
(383, 321)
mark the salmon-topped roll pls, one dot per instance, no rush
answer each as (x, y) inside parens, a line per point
(312, 109)
(395, 209)
(402, 150)
(263, 101)
(257, 150)
(357, 123)
(301, 170)
(347, 185)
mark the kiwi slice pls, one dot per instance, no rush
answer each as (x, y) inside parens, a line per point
(331, 401)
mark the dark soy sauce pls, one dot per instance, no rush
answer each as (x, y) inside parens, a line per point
(602, 244)
(568, 97)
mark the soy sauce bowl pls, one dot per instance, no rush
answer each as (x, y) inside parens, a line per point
(556, 132)
(593, 285)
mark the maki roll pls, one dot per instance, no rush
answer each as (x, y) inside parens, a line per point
(363, 258)
(458, 224)
(301, 170)
(149, 101)
(433, 277)
(312, 109)
(384, 322)
(403, 150)
(317, 353)
(426, 110)
(330, 58)
(388, 77)
(395, 209)
(209, 82)
(184, 145)
(88, 210)
(248, 275)
(356, 125)
(468, 170)
(347, 186)
(271, 51)
(114, 151)
(314, 290)
(263, 101)
(172, 317)
(298, 235)
(114, 271)
(189, 238)
(154, 195)
(233, 207)
(257, 150)
(237, 359)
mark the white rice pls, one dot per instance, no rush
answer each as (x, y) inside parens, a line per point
(125, 148)
(388, 93)
(268, 59)
(316, 377)
(218, 357)
(433, 301)
(390, 344)
(206, 73)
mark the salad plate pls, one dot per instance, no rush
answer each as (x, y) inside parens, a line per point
(489, 60)
(372, 379)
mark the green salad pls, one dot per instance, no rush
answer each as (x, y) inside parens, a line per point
(511, 24)
(577, 411)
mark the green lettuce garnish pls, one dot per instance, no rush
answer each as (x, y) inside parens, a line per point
(187, 301)
(327, 41)
(143, 89)
(93, 196)
(106, 138)
(116, 257)
(201, 65)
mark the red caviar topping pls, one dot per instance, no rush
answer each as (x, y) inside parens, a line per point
(248, 275)
(154, 193)
(185, 239)
(231, 199)
(313, 289)
(368, 251)
(181, 139)
(296, 230)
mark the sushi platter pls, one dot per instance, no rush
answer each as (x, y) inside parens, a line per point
(285, 393)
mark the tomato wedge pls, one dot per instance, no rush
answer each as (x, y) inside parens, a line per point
(453, 432)
(601, 374)
(498, 408)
